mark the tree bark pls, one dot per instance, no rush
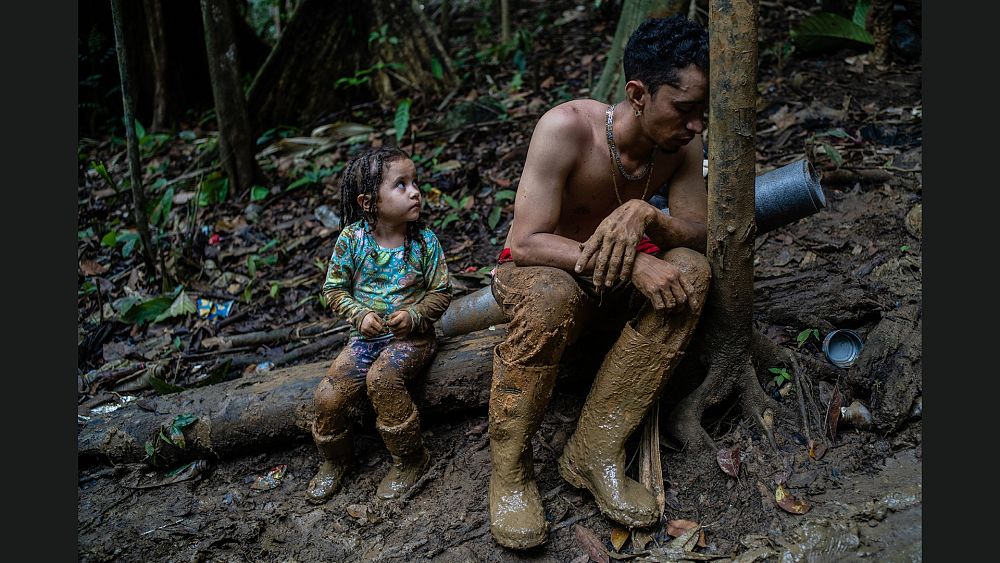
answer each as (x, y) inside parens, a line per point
(276, 407)
(138, 196)
(158, 46)
(611, 86)
(236, 145)
(326, 41)
(728, 313)
(881, 18)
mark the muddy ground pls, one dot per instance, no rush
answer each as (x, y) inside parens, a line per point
(864, 494)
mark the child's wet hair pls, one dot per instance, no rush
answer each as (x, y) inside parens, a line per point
(363, 176)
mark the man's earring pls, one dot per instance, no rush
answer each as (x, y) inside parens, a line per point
(638, 112)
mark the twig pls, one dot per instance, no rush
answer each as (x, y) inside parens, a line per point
(162, 527)
(266, 337)
(573, 520)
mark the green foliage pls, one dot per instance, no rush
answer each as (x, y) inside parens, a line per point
(280, 132)
(172, 435)
(825, 30)
(402, 119)
(803, 336)
(258, 193)
(161, 207)
(781, 375)
(155, 309)
(436, 69)
(127, 239)
(364, 76)
(314, 176)
(102, 171)
(213, 189)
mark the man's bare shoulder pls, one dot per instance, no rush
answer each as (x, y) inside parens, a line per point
(573, 119)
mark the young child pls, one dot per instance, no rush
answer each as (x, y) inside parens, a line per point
(388, 278)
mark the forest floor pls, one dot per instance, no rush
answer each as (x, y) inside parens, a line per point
(859, 124)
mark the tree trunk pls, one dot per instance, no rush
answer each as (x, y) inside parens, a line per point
(881, 12)
(611, 86)
(276, 407)
(326, 41)
(236, 145)
(138, 196)
(728, 313)
(158, 45)
(504, 21)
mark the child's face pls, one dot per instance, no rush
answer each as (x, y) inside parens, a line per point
(398, 196)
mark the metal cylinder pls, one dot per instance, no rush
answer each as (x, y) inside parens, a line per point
(786, 194)
(472, 312)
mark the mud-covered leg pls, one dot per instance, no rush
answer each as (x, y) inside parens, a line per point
(544, 306)
(629, 380)
(397, 419)
(334, 397)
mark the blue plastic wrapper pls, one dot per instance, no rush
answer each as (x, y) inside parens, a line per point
(208, 309)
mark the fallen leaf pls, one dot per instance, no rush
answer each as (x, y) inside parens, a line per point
(816, 449)
(90, 268)
(618, 537)
(729, 460)
(677, 528)
(789, 503)
(589, 541)
(586, 60)
(547, 83)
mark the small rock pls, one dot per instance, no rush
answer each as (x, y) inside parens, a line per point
(914, 221)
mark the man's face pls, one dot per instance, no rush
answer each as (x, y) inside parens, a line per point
(675, 114)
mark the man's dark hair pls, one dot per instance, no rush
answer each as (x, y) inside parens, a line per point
(659, 47)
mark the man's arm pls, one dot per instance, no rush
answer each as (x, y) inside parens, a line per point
(687, 224)
(555, 144)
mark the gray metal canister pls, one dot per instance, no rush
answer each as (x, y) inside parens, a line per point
(786, 194)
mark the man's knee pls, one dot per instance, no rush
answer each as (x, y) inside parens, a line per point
(551, 300)
(694, 267)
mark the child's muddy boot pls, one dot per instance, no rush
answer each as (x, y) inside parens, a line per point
(518, 398)
(336, 451)
(409, 457)
(623, 391)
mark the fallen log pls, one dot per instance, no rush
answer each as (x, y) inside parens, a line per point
(273, 408)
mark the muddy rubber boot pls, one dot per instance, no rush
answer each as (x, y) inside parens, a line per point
(594, 457)
(518, 398)
(409, 457)
(336, 451)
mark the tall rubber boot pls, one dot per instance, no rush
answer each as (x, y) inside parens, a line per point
(409, 456)
(623, 391)
(336, 451)
(518, 398)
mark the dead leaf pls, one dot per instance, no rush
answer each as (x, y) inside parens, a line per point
(586, 60)
(91, 267)
(816, 449)
(729, 460)
(547, 83)
(676, 529)
(789, 503)
(589, 541)
(618, 537)
(833, 414)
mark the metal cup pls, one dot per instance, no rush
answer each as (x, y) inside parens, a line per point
(842, 347)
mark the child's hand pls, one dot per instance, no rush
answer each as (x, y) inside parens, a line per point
(371, 326)
(399, 323)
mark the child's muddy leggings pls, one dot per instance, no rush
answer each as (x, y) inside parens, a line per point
(381, 367)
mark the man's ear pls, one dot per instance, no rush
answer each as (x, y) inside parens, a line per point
(364, 201)
(635, 92)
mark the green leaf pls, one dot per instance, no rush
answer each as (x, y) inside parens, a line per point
(177, 437)
(436, 69)
(504, 195)
(300, 182)
(861, 13)
(402, 119)
(162, 208)
(140, 131)
(150, 450)
(213, 190)
(449, 219)
(803, 336)
(102, 171)
(147, 310)
(494, 217)
(775, 370)
(825, 31)
(163, 388)
(258, 193)
(110, 239)
(274, 290)
(252, 266)
(130, 240)
(187, 135)
(452, 202)
(833, 154)
(836, 132)
(182, 305)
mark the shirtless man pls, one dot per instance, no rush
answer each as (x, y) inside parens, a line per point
(572, 264)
